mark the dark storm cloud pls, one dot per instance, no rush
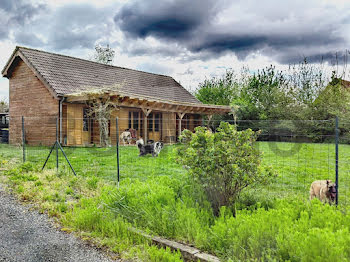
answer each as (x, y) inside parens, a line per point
(251, 26)
(221, 43)
(319, 57)
(272, 45)
(165, 19)
(16, 13)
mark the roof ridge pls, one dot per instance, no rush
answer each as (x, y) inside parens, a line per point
(67, 74)
(42, 51)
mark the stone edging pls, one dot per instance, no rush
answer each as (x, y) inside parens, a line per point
(188, 253)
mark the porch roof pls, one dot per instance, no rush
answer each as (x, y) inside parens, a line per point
(150, 103)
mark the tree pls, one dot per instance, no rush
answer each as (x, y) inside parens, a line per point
(268, 95)
(4, 106)
(101, 106)
(218, 91)
(99, 101)
(223, 163)
(104, 55)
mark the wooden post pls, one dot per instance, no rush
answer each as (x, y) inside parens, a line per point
(146, 112)
(145, 129)
(181, 116)
(209, 119)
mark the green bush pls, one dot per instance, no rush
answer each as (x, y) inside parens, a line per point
(223, 163)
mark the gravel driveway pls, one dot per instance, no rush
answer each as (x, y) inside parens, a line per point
(27, 236)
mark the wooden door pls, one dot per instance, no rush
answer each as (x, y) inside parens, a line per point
(154, 126)
(74, 124)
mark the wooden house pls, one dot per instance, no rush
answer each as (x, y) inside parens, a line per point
(44, 86)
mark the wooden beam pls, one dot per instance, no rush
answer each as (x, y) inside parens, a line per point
(181, 116)
(146, 112)
(145, 128)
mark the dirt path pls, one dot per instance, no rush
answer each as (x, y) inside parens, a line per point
(26, 235)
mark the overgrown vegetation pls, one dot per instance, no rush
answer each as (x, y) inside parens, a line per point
(270, 222)
(223, 163)
(77, 203)
(302, 92)
(263, 228)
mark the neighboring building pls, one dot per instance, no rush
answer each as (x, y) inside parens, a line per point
(4, 125)
(44, 86)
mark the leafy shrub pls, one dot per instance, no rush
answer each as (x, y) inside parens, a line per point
(224, 163)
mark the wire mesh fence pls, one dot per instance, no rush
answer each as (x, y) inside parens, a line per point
(297, 151)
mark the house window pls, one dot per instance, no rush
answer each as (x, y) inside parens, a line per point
(85, 119)
(150, 122)
(197, 120)
(136, 120)
(156, 122)
(186, 122)
(130, 125)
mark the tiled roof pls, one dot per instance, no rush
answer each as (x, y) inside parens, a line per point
(67, 75)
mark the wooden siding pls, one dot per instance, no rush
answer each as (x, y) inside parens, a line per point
(169, 127)
(75, 134)
(31, 99)
(123, 122)
(75, 124)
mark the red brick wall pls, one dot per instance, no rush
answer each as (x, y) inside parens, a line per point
(31, 99)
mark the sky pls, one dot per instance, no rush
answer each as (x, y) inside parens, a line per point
(188, 40)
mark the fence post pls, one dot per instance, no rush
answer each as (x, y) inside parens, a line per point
(23, 140)
(336, 157)
(117, 139)
(56, 144)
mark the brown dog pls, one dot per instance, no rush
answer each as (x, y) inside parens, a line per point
(324, 190)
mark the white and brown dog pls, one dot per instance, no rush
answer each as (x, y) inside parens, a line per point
(153, 148)
(324, 190)
(125, 137)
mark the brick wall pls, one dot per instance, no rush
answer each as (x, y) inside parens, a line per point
(31, 99)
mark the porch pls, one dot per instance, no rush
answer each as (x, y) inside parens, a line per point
(152, 120)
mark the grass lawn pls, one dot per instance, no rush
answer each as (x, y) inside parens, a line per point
(297, 165)
(154, 195)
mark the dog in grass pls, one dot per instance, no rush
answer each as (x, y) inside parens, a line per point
(324, 190)
(153, 148)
